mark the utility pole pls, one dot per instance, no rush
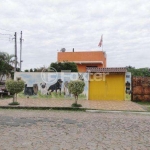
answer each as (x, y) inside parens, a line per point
(21, 51)
(15, 52)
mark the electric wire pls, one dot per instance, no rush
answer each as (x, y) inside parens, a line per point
(5, 34)
(6, 30)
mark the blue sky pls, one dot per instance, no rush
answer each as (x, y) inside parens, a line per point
(49, 25)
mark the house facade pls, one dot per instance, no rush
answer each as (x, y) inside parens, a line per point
(84, 59)
(104, 83)
(101, 83)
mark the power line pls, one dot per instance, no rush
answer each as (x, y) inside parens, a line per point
(5, 30)
(4, 40)
(5, 34)
(4, 37)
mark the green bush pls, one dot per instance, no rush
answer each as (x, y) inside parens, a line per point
(14, 87)
(76, 87)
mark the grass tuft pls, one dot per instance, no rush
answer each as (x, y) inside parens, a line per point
(14, 103)
(76, 105)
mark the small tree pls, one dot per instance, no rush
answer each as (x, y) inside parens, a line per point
(40, 69)
(31, 70)
(35, 70)
(26, 70)
(76, 87)
(14, 87)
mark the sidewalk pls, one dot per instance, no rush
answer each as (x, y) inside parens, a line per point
(88, 104)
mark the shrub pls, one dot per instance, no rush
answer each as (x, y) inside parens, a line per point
(76, 87)
(14, 87)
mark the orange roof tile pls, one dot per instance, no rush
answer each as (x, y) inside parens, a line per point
(105, 70)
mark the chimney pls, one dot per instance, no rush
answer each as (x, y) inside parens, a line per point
(73, 50)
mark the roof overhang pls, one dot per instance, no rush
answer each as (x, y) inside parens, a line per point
(106, 70)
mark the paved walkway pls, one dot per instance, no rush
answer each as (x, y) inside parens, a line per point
(68, 130)
(103, 105)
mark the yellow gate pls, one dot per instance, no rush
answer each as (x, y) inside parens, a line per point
(110, 88)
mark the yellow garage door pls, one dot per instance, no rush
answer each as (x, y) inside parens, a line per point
(110, 88)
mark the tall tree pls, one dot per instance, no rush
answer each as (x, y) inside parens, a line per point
(31, 70)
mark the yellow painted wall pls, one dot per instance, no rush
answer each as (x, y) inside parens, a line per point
(112, 88)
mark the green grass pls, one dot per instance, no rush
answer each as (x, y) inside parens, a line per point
(44, 108)
(14, 103)
(53, 95)
(82, 96)
(76, 105)
(145, 104)
(128, 97)
(6, 96)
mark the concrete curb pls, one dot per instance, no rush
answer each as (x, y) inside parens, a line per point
(73, 109)
(119, 111)
(43, 108)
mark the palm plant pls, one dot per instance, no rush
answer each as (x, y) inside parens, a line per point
(6, 62)
(2, 56)
(8, 58)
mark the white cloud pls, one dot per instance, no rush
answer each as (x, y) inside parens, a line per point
(49, 25)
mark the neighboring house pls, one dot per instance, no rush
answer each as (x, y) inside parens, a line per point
(84, 59)
(3, 90)
(3, 77)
